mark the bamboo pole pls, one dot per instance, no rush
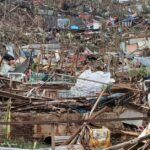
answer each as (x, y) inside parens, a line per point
(96, 103)
(8, 119)
(133, 147)
(131, 142)
(135, 134)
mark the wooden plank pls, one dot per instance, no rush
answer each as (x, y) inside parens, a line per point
(131, 142)
(73, 147)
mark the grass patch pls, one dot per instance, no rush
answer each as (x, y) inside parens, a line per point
(21, 143)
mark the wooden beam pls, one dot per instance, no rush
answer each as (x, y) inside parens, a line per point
(131, 142)
(53, 136)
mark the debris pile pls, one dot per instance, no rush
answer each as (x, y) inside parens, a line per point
(75, 73)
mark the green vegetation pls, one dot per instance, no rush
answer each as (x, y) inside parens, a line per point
(138, 73)
(21, 143)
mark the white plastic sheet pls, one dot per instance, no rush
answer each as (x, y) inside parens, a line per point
(89, 88)
(123, 1)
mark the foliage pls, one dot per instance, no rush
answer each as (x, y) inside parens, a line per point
(20, 143)
(138, 73)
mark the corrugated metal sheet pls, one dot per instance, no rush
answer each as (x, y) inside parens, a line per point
(52, 46)
(51, 21)
(144, 44)
(45, 12)
(136, 40)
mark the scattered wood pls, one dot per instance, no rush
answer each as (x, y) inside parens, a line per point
(131, 142)
(73, 147)
(134, 134)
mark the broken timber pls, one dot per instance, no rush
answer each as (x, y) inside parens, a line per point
(72, 147)
(131, 142)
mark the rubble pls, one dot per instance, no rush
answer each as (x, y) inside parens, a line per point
(75, 74)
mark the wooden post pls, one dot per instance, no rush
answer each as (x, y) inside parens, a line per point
(53, 136)
(11, 82)
(5, 9)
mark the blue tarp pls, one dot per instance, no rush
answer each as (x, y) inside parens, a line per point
(74, 27)
(130, 19)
